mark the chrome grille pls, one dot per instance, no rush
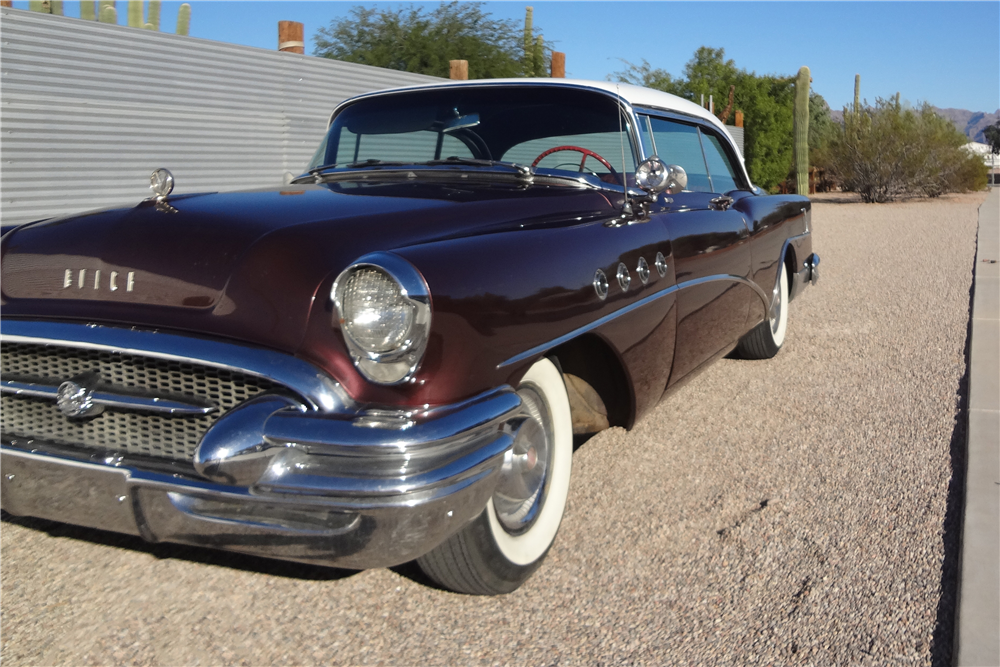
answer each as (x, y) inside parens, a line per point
(133, 433)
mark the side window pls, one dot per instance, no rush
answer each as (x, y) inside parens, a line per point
(719, 166)
(677, 143)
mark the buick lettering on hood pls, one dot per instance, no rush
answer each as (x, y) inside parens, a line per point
(390, 358)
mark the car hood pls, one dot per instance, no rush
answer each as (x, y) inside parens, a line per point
(251, 265)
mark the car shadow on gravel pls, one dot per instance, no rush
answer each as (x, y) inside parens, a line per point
(166, 550)
(943, 638)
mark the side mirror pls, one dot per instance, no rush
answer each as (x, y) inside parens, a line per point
(654, 177)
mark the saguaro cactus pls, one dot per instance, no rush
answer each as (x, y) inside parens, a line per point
(857, 92)
(529, 40)
(183, 19)
(46, 6)
(802, 132)
(135, 13)
(88, 11)
(108, 13)
(153, 15)
(538, 57)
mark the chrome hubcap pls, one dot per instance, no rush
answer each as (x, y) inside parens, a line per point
(776, 310)
(520, 492)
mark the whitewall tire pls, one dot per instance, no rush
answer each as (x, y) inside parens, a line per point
(764, 340)
(506, 543)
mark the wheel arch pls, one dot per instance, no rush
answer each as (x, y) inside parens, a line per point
(591, 358)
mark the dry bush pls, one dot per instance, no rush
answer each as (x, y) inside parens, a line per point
(887, 151)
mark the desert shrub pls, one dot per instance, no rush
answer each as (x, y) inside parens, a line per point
(886, 151)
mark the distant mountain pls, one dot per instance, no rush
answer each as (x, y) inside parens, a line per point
(969, 123)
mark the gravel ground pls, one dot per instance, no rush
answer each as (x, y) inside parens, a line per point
(795, 511)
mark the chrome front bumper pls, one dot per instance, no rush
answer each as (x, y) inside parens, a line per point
(279, 478)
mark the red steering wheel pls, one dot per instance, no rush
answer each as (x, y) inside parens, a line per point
(586, 153)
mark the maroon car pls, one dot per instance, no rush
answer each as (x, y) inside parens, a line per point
(389, 358)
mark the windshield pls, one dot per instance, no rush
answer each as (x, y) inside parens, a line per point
(512, 124)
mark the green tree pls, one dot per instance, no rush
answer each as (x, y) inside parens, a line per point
(411, 40)
(645, 75)
(821, 130)
(992, 135)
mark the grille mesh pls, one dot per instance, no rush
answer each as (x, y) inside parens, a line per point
(137, 434)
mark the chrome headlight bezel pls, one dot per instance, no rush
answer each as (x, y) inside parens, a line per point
(400, 363)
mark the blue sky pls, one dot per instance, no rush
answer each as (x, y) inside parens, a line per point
(945, 53)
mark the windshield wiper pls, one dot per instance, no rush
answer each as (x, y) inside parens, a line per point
(476, 162)
(370, 162)
(316, 170)
(522, 171)
(373, 162)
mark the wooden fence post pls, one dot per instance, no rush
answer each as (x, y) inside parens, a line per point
(459, 69)
(290, 37)
(558, 65)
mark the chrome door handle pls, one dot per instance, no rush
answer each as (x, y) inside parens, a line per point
(721, 203)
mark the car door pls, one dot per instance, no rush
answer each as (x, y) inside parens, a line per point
(710, 249)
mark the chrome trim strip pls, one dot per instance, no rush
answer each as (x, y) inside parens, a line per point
(565, 338)
(321, 391)
(111, 399)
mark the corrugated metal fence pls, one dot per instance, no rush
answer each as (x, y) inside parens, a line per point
(90, 109)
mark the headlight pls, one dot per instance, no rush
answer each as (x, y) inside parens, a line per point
(383, 306)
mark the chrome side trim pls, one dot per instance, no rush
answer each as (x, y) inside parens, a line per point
(565, 338)
(111, 399)
(321, 391)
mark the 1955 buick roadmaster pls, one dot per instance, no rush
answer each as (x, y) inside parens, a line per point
(388, 358)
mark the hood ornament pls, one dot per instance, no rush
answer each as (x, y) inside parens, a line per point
(161, 182)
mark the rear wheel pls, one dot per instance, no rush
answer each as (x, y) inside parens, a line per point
(764, 341)
(506, 543)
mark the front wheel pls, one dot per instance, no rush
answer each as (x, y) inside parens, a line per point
(506, 543)
(764, 341)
